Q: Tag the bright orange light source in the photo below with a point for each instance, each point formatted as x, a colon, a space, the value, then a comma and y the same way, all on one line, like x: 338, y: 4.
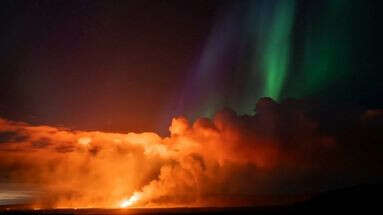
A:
x: 128, y: 202
x: 84, y: 140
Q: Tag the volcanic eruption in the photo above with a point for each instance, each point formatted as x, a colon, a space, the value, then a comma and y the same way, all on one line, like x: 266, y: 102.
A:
x: 226, y: 161
x: 166, y: 104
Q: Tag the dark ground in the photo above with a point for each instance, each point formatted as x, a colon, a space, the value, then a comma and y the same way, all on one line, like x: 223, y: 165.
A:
x: 363, y: 199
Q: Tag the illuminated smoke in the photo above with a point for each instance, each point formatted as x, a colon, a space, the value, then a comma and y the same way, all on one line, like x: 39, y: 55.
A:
x: 228, y: 160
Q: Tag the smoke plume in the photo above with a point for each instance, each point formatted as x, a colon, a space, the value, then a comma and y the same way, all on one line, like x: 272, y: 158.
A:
x: 287, y: 149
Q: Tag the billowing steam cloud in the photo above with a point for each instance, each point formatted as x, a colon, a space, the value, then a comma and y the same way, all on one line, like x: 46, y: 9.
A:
x: 284, y: 149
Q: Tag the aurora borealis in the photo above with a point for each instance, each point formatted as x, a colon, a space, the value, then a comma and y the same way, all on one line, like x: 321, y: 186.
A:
x: 280, y: 49
x: 275, y: 60
x: 232, y: 54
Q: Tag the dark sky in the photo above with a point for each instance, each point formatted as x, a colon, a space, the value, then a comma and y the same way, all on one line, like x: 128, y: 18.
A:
x: 97, y: 64
x: 133, y: 65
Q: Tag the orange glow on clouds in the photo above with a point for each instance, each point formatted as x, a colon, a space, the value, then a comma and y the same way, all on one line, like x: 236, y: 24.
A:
x: 200, y: 163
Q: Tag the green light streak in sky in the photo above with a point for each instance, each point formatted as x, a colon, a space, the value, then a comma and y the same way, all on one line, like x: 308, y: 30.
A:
x: 268, y: 38
x: 276, y: 56
x: 276, y: 59
x: 327, y: 49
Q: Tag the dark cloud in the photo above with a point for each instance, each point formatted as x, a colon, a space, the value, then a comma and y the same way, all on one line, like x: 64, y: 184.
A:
x: 41, y: 143
x: 12, y: 136
x: 65, y: 148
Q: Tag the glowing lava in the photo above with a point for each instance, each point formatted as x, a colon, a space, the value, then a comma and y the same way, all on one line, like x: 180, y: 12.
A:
x: 129, y: 202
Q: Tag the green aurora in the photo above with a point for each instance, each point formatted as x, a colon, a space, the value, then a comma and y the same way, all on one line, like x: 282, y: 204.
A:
x: 279, y: 49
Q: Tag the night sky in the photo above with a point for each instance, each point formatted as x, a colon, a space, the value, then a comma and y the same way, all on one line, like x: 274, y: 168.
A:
x: 227, y: 100
x: 133, y: 65
x: 98, y: 64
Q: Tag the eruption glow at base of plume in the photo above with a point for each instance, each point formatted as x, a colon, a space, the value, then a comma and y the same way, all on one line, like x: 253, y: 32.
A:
x: 129, y: 202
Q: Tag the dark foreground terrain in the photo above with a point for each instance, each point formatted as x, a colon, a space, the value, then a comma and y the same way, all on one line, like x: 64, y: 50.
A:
x: 366, y: 199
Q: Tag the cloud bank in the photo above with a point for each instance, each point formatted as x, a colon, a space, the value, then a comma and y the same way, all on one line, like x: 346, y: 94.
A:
x: 287, y: 149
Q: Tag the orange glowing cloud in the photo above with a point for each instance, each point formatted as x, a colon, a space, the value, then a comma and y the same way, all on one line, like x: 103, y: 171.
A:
x: 200, y: 163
